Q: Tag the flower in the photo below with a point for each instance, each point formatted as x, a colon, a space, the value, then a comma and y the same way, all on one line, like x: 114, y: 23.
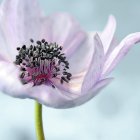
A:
x: 66, y: 67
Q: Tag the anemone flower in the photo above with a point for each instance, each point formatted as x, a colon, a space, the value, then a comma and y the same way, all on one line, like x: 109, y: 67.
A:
x: 52, y: 59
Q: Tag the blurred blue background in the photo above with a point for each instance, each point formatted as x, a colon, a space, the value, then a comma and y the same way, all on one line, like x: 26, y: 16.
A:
x: 113, y: 114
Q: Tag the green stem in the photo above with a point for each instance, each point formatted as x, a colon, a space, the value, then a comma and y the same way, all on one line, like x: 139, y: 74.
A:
x: 38, y: 122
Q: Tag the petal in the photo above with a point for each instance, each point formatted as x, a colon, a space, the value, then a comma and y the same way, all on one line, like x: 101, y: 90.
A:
x: 88, y: 96
x: 10, y: 83
x: 88, y: 63
x: 43, y: 94
x: 48, y: 96
x: 108, y: 34
x: 60, y: 99
x: 81, y: 59
x: 120, y: 51
x: 73, y: 87
x: 20, y: 21
x: 96, y: 65
x: 64, y: 30
x: 5, y: 54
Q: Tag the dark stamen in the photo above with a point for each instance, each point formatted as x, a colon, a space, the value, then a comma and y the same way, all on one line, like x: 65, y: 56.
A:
x: 41, y: 62
x: 43, y: 40
x: 32, y: 40
x: 24, y: 47
x: 18, y: 48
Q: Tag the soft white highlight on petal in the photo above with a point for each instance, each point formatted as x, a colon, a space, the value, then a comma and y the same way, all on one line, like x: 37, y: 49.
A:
x: 108, y: 34
x: 64, y: 30
x: 48, y: 96
x: 10, y: 83
x: 95, y: 67
x: 120, y: 51
x: 74, y: 85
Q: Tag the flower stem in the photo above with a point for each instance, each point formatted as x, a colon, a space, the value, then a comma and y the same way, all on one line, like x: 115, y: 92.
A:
x: 38, y: 121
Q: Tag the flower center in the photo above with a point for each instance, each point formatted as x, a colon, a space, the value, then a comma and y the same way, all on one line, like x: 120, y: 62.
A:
x: 42, y: 61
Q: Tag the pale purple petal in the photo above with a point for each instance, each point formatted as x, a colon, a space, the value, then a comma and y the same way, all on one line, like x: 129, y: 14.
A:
x: 43, y: 94
x: 5, y: 53
x: 86, y: 97
x: 64, y: 30
x: 10, y: 83
x: 120, y: 51
x: 60, y: 99
x: 107, y: 35
x: 95, y: 67
x: 20, y: 20
x: 82, y: 56
x: 73, y: 88
x: 48, y: 96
